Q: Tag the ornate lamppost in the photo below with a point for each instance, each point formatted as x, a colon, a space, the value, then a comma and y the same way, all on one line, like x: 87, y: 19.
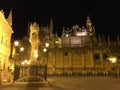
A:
x: 17, y: 49
x: 45, y: 50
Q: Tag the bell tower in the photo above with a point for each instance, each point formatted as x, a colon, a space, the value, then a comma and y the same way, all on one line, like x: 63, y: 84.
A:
x: 51, y: 28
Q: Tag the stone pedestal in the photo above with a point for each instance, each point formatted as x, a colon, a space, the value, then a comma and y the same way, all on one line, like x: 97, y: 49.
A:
x: 34, y: 76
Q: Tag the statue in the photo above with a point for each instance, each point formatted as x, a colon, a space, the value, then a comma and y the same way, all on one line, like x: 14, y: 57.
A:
x: 34, y: 41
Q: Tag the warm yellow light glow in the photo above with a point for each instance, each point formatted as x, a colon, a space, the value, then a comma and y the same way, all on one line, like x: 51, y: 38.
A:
x: 113, y: 59
x: 36, y: 55
x: 44, y: 50
x: 25, y: 62
x: 46, y: 44
x: 22, y: 49
x: 28, y: 62
x: 16, y: 43
x: 66, y: 35
x: 35, y: 51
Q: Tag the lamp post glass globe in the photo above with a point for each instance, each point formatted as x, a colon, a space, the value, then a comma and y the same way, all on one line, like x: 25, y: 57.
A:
x: 16, y: 43
x: 46, y: 44
x: 22, y: 49
x: 44, y: 50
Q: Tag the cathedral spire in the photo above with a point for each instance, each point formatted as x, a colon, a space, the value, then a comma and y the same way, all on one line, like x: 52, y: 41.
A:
x: 9, y: 19
x: 89, y: 24
x: 91, y: 29
x: 51, y: 28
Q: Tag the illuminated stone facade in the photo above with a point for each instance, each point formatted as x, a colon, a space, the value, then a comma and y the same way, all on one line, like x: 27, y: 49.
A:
x: 76, y: 52
x: 5, y: 43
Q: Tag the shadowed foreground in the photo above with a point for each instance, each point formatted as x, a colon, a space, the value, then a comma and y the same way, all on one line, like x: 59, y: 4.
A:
x: 71, y: 83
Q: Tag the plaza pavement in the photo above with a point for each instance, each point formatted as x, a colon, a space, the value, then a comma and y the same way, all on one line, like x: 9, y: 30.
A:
x: 71, y: 83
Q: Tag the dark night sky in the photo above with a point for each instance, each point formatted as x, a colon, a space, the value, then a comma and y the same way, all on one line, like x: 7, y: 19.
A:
x: 64, y: 13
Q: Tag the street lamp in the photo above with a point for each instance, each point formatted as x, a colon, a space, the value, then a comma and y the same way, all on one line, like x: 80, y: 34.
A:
x: 22, y: 49
x: 46, y: 44
x: 18, y: 50
x: 46, y: 59
x: 17, y: 57
x: 16, y: 43
x: 45, y: 50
